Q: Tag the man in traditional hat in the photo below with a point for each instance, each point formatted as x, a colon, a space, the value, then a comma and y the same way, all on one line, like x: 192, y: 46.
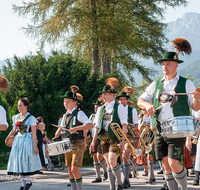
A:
x: 169, y: 150
x: 122, y: 98
x: 76, y: 121
x: 3, y: 119
x: 97, y: 154
x: 110, y: 112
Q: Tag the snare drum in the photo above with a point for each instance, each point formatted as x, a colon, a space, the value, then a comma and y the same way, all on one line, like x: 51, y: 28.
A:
x: 60, y: 147
x: 179, y: 127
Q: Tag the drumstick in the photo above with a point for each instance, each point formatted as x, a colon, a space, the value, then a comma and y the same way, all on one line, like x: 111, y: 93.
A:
x: 183, y: 93
x: 63, y: 128
x: 162, y: 106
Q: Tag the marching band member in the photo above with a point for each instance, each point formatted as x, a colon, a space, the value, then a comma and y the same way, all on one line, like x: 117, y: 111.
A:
x: 146, y: 122
x: 169, y: 150
x: 122, y: 98
x: 76, y: 121
x: 3, y: 119
x: 97, y: 154
x: 110, y: 112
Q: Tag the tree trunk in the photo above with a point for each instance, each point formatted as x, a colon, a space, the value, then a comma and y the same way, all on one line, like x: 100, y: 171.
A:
x: 95, y: 51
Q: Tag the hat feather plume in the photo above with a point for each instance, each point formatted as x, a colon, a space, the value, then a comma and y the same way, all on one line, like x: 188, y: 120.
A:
x: 3, y: 83
x: 79, y: 96
x: 113, y: 82
x: 130, y: 103
x: 74, y: 88
x: 100, y: 98
x: 129, y: 90
x: 182, y: 46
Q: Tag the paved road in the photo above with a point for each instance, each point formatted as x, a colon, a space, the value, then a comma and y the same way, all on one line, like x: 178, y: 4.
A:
x: 61, y: 183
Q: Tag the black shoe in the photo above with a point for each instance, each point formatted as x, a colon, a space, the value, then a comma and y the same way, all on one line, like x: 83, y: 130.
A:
x: 160, y: 172
x: 27, y: 186
x: 196, y: 182
x: 97, y: 180
x: 151, y: 181
x: 119, y: 187
x: 21, y: 188
x: 145, y: 174
x: 69, y: 184
x: 40, y: 172
x: 105, y: 176
x: 192, y: 172
x: 130, y: 175
x: 165, y: 187
x: 126, y: 184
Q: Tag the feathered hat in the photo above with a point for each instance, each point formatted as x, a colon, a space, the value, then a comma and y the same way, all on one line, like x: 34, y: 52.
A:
x: 111, y: 86
x: 127, y: 91
x: 182, y: 47
x: 3, y: 83
x: 71, y: 94
x: 99, y: 101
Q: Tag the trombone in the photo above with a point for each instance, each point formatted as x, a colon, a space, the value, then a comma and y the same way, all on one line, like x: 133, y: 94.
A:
x: 147, y: 136
x: 134, y: 133
x: 120, y: 134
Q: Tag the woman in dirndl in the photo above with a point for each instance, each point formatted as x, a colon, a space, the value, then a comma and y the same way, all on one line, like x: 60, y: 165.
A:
x: 24, y: 158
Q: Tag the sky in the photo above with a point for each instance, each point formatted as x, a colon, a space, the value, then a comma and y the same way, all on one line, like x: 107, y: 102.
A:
x: 14, y: 42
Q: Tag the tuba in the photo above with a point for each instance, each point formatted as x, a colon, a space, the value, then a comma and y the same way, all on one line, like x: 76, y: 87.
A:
x: 120, y: 135
x: 141, y: 145
x: 147, y: 136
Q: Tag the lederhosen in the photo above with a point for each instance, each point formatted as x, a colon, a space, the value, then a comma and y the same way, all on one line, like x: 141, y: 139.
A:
x: 70, y: 121
x: 108, y: 139
x: 171, y: 147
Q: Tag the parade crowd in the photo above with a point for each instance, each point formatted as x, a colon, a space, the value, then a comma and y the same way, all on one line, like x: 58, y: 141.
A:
x: 119, y: 138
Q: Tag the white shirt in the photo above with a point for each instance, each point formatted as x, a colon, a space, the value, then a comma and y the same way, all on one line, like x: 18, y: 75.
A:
x: 147, y: 120
x: 81, y: 117
x: 3, y: 119
x: 168, y: 87
x: 122, y: 114
x: 134, y: 115
x: 94, y: 122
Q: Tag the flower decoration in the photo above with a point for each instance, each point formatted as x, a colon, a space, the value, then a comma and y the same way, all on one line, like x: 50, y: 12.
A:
x: 21, y: 127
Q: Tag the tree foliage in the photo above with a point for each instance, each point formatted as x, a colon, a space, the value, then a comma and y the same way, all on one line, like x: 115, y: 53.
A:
x: 44, y: 80
x: 116, y: 33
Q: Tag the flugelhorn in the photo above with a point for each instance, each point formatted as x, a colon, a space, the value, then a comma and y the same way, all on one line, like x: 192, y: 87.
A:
x: 120, y: 135
x: 147, y: 136
x: 134, y: 133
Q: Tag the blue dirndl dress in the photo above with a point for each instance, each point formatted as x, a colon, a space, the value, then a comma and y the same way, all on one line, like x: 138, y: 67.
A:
x: 22, y: 158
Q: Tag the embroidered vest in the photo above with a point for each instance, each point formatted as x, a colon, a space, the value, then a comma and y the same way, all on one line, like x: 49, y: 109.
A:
x: 73, y: 122
x: 115, y: 119
x: 180, y: 108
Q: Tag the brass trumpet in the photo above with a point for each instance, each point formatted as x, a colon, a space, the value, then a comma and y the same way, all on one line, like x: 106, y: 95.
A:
x: 120, y: 134
x: 134, y: 133
x: 147, y: 136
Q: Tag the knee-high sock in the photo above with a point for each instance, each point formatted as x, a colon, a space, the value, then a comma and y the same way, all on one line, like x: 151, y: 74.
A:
x: 104, y: 166
x: 181, y: 178
x: 73, y: 184
x: 97, y: 169
x: 28, y: 180
x: 126, y: 171
x: 117, y: 173
x: 161, y: 166
x: 134, y: 165
x: 111, y: 179
x: 151, y: 172
x: 23, y: 179
x: 196, y: 174
x: 171, y: 182
x: 79, y: 183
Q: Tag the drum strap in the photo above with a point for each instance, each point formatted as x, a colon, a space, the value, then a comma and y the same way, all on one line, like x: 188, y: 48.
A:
x: 68, y: 117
